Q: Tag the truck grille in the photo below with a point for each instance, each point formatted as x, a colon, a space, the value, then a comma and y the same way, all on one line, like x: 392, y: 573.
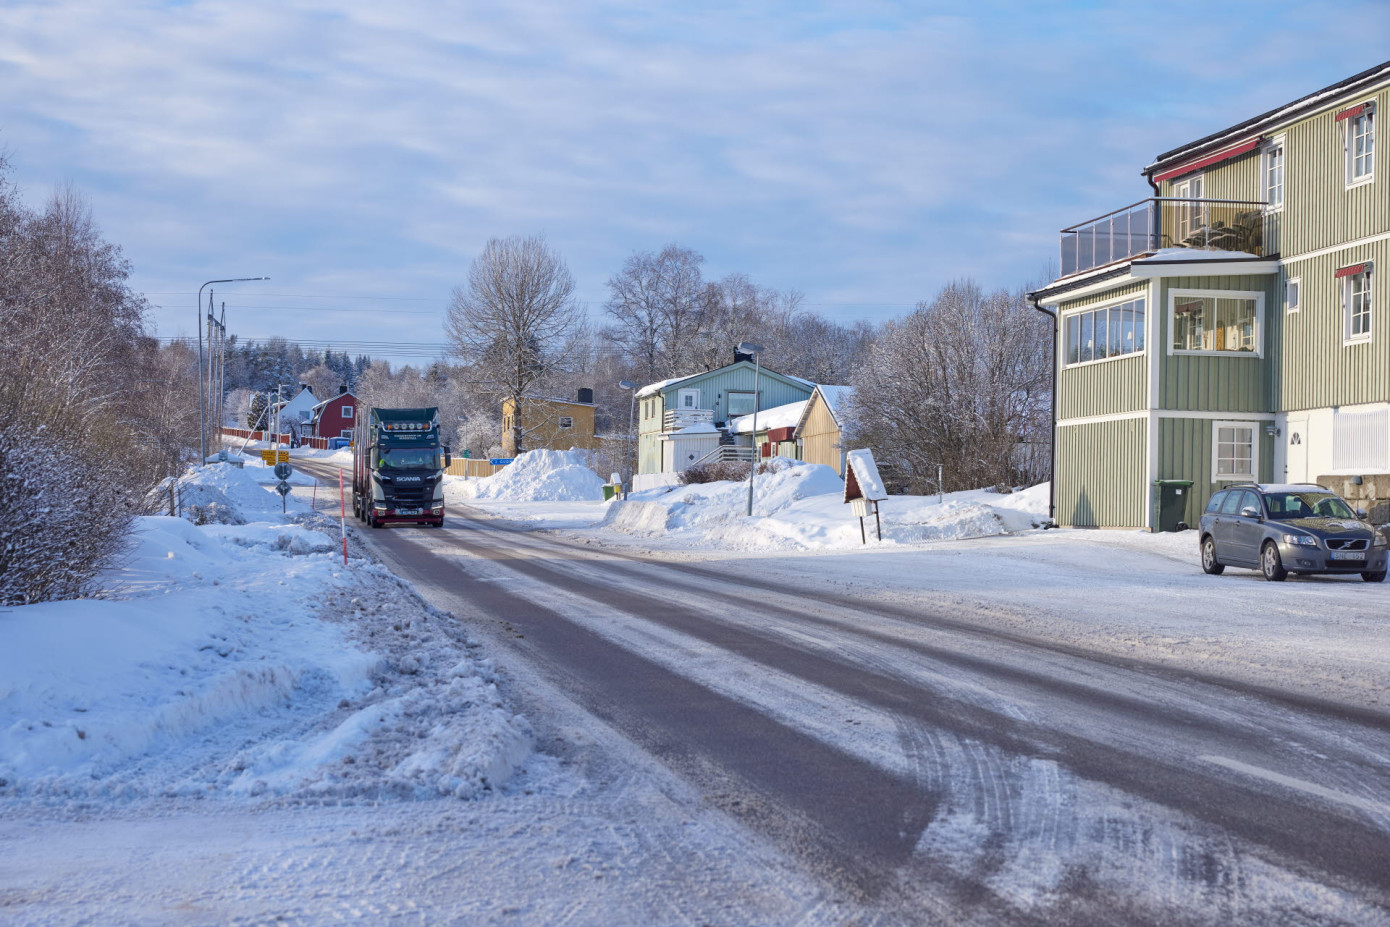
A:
x: 1347, y: 543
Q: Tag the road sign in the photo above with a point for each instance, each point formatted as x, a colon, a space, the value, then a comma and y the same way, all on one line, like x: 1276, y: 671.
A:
x: 500, y: 461
x: 467, y: 454
x: 272, y: 457
x: 283, y: 471
x: 282, y: 488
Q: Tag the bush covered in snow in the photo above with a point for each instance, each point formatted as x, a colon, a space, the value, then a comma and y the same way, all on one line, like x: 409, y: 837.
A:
x: 217, y: 494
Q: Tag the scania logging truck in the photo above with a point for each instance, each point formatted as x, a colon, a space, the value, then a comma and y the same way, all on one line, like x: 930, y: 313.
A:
x: 398, y: 467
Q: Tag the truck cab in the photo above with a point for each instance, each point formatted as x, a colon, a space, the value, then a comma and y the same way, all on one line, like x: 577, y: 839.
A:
x: 398, y: 467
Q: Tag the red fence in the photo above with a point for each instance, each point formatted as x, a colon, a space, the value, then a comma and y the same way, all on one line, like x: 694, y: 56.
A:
x: 320, y: 444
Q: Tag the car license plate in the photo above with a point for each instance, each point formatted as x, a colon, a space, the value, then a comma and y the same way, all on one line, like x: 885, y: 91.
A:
x: 1348, y: 554
x: 407, y: 511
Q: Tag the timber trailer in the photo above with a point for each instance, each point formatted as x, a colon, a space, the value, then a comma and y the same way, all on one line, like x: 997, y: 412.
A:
x: 398, y: 467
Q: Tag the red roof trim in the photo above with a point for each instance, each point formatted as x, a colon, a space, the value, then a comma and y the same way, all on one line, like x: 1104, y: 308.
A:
x: 1356, y: 110
x: 1224, y: 155
x: 1352, y: 271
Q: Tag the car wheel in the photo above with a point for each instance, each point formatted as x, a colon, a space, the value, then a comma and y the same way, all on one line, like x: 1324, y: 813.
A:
x: 1209, y: 562
x: 1271, y: 564
x: 1373, y: 576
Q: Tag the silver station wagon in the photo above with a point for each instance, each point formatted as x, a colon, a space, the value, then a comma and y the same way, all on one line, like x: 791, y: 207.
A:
x: 1289, y: 528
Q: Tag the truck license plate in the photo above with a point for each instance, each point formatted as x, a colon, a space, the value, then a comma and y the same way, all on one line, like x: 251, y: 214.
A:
x: 407, y: 511
x: 1348, y: 554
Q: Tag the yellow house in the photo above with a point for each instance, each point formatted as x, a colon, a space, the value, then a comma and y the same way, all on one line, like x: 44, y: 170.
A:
x: 818, y: 434
x: 550, y: 424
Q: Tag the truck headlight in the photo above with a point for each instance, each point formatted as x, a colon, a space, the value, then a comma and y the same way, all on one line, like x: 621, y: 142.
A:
x: 1301, y: 540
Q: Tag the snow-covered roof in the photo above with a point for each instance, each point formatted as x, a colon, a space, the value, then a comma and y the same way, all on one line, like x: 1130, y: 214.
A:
x: 786, y: 416
x: 1193, y: 255
x: 866, y: 474
x: 651, y: 389
x: 1357, y: 83
x: 835, y: 398
x: 349, y: 393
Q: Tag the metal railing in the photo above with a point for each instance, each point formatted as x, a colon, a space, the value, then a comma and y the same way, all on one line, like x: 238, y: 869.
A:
x: 680, y: 418
x: 1164, y: 222
x: 726, y: 452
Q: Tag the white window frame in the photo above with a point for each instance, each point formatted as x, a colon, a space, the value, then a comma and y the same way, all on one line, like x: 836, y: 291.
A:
x: 1253, y: 475
x: 1293, y: 285
x: 1259, y: 334
x: 346, y: 433
x: 1275, y: 148
x: 347, y: 411
x: 1349, y: 131
x: 1063, y: 341
x: 1189, y: 217
x: 1347, y: 283
x: 691, y: 393
x: 566, y: 421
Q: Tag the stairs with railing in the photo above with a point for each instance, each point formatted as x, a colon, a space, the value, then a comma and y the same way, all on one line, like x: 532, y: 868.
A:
x: 727, y: 452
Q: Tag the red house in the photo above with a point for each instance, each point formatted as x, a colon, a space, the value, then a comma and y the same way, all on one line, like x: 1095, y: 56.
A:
x: 334, y: 418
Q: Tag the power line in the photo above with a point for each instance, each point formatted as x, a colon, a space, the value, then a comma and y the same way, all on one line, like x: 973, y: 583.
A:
x: 422, y: 299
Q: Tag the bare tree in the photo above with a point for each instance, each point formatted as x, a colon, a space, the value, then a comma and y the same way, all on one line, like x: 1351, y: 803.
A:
x: 657, y: 303
x: 961, y: 382
x: 511, y: 322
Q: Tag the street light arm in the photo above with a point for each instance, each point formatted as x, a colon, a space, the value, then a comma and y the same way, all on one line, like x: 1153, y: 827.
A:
x: 202, y: 396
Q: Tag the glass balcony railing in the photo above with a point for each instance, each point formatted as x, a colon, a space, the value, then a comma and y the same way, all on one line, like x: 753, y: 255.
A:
x: 1164, y: 222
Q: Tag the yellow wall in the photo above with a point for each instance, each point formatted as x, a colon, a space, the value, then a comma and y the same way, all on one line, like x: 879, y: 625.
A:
x: 540, y: 418
x: 820, y: 436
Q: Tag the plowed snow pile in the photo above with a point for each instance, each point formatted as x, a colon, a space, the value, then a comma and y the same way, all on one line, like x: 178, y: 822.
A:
x: 800, y: 506
x: 535, y: 476
x: 220, y: 494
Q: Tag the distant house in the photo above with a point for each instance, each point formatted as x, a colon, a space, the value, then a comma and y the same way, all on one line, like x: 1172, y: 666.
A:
x: 334, y: 418
x: 550, y: 424
x: 686, y: 420
x: 806, y: 430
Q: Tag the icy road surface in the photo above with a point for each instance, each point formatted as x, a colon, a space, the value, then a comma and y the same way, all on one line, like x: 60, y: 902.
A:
x: 999, y: 731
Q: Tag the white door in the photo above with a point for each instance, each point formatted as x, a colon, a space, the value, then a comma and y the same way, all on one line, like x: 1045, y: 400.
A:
x: 1188, y: 216
x: 688, y: 399
x: 1296, y: 450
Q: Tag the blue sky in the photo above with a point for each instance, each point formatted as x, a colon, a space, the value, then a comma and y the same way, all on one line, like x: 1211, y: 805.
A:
x: 360, y: 153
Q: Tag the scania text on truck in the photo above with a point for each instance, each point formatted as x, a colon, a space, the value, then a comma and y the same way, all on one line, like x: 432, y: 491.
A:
x: 398, y: 467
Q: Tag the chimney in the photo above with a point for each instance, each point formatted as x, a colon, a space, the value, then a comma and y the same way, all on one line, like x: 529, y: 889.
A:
x: 586, y: 395
x: 738, y: 356
x: 342, y: 389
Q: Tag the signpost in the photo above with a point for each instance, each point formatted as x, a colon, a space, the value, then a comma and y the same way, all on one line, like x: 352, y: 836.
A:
x: 274, y: 457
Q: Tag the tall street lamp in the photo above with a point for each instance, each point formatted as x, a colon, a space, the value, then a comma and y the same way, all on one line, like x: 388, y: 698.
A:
x: 631, y: 409
x: 747, y: 347
x: 202, y: 399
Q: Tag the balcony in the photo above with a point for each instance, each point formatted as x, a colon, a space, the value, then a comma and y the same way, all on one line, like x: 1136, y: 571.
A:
x: 676, y: 419
x: 1164, y: 222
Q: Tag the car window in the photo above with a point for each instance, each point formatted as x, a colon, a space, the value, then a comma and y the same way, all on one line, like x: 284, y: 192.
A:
x: 1232, y: 504
x: 1306, y: 504
x: 1248, y: 500
x: 1215, y: 504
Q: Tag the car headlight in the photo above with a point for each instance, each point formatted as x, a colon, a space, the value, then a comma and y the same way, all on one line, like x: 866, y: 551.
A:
x: 1301, y: 540
x: 1380, y: 541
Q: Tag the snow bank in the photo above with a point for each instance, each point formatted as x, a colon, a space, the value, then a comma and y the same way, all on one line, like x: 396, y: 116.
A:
x: 220, y: 494
x: 243, y: 660
x: 800, y: 506
x: 535, y: 476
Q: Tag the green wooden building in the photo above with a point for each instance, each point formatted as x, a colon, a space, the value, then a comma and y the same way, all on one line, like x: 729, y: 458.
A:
x: 683, y: 421
x: 1233, y: 326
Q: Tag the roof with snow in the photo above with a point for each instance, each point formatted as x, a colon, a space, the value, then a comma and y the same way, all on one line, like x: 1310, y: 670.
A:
x: 349, y: 393
x: 785, y: 416
x: 835, y: 399
x: 1297, y: 109
x: 651, y: 389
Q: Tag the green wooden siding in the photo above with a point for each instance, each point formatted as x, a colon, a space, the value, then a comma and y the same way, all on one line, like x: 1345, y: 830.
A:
x: 1184, y: 453
x: 1100, y: 474
x: 1209, y: 383
x: 1314, y: 368
x: 1102, y: 387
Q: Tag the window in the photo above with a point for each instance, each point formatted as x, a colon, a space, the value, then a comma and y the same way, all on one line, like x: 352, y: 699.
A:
x: 1292, y: 294
x: 1360, y: 134
x: 740, y: 403
x: 1233, y: 451
x: 1216, y: 322
x: 1273, y: 175
x: 1356, y: 302
x: 347, y: 411
x: 346, y: 433
x: 1189, y: 214
x: 1214, y: 504
x: 1111, y: 331
x: 566, y: 421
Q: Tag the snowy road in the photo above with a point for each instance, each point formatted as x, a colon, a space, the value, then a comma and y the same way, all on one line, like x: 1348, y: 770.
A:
x: 922, y: 760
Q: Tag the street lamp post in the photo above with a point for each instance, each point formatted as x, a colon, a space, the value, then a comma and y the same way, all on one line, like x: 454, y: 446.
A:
x: 631, y: 410
x: 746, y: 347
x: 202, y: 398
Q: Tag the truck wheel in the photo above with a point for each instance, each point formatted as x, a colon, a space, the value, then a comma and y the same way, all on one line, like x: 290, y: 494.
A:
x: 374, y: 521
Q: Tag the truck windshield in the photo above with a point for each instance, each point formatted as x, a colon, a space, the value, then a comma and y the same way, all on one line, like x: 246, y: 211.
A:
x: 409, y: 458
x: 1285, y: 505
